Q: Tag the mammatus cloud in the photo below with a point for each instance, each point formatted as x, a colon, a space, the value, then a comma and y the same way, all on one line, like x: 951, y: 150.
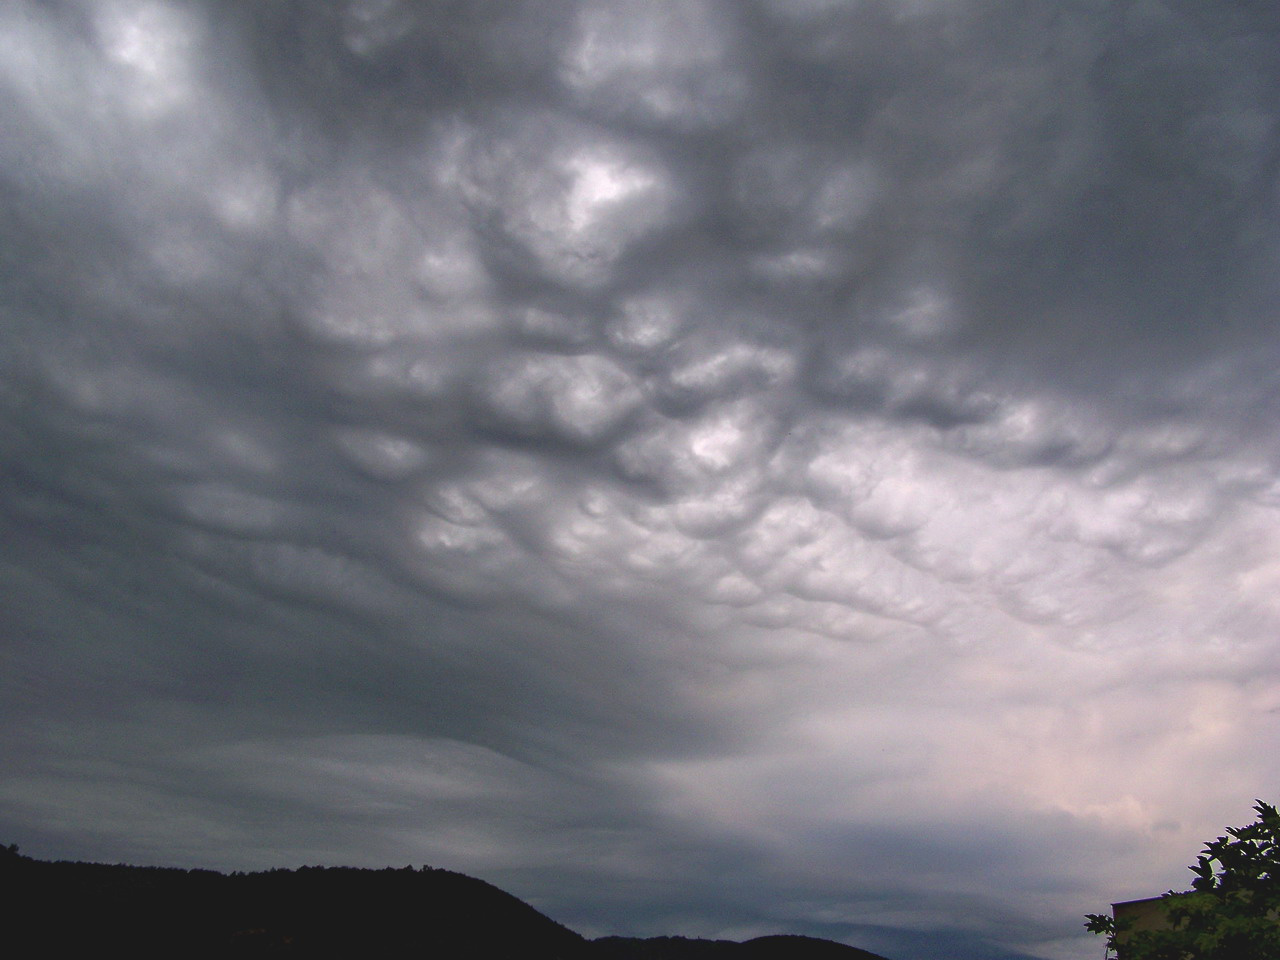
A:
x: 708, y: 467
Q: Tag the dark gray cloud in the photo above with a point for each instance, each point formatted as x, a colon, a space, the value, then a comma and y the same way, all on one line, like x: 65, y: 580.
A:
x: 712, y: 468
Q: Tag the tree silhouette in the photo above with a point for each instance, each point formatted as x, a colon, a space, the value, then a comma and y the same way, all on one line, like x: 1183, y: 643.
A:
x: 1232, y: 911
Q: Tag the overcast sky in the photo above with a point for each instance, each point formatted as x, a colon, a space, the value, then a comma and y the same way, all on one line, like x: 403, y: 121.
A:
x: 709, y: 467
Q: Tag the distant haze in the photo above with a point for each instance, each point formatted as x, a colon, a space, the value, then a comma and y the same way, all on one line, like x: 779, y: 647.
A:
x: 708, y: 467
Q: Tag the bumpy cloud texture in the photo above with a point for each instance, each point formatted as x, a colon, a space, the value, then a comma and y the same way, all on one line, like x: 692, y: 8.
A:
x: 708, y: 467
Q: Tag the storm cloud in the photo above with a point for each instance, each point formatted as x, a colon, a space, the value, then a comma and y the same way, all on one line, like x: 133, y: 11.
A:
x: 710, y: 468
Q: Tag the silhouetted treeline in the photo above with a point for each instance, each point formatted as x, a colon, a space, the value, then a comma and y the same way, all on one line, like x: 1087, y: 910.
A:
x: 76, y: 909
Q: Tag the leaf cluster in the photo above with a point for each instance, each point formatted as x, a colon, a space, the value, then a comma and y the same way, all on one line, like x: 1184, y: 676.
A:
x: 1232, y: 911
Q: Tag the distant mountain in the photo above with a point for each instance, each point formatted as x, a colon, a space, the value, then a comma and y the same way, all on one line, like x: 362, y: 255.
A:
x: 761, y: 948
x: 75, y: 909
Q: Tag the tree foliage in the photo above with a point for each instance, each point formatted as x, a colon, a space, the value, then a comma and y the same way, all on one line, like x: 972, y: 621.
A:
x: 1232, y: 911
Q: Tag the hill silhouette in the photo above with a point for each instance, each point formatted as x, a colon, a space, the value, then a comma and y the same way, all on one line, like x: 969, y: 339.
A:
x: 73, y: 908
x: 777, y: 947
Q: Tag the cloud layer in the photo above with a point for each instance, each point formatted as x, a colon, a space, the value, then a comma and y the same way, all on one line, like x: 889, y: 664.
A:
x: 707, y: 467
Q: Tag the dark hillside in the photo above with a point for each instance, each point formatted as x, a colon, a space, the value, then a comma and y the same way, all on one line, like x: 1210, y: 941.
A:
x: 76, y: 909
x: 761, y: 948
x: 309, y: 912
x: 661, y: 948
x: 802, y: 948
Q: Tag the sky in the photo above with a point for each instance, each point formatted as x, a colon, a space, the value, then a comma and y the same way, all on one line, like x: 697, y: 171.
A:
x: 708, y: 467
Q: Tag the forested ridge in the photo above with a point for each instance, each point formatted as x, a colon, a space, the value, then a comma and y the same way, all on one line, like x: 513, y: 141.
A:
x: 68, y: 907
